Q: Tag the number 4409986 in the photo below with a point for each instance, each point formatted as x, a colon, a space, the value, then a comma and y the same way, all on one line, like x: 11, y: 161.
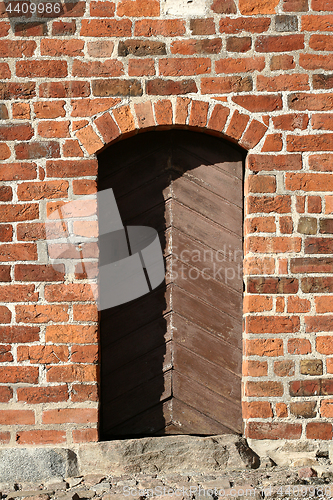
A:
x: 21, y: 8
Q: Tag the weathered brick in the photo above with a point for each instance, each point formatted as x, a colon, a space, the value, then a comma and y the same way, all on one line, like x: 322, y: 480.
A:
x: 306, y: 409
x: 272, y: 285
x: 311, y: 367
x: 115, y: 86
x: 273, y: 430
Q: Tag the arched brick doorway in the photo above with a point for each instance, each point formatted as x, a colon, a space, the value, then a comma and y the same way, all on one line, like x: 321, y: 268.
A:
x: 171, y: 360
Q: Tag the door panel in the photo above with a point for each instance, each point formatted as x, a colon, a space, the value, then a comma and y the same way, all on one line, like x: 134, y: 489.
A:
x: 171, y: 360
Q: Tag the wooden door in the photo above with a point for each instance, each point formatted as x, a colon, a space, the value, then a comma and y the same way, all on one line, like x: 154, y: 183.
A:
x: 171, y: 360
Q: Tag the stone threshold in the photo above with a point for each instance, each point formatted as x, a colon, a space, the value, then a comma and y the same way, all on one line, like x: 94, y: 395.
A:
x: 180, y: 454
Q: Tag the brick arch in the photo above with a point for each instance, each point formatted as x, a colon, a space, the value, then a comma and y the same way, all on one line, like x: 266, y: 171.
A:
x: 214, y: 118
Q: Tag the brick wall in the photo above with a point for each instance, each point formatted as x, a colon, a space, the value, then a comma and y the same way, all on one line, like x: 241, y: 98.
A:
x: 256, y: 72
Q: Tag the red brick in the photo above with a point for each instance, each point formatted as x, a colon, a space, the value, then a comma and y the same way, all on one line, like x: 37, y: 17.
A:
x: 69, y: 415
x: 224, y: 7
x: 76, y: 334
x: 184, y: 66
x: 60, y: 90
x: 6, y: 232
x: 107, y: 127
x: 17, y: 417
x: 272, y: 285
x: 314, y: 204
x: 309, y: 182
x: 55, y: 48
x: 271, y: 324
x: 299, y: 346
x: 324, y: 304
x: 257, y: 409
x: 295, y: 5
x: 218, y: 117
x: 106, y: 27
x: 71, y: 168
x: 226, y: 84
x: 41, y: 69
x: 67, y: 293
x: 202, y: 26
x: 281, y: 410
x: 6, y: 394
x: 258, y: 104
x: 141, y: 67
x: 237, y: 125
x: 324, y: 344
x: 282, y: 82
x: 264, y: 389
x: 239, y: 44
x: 322, y: 5
x: 322, y: 121
x: 267, y: 204
x: 264, y: 347
x: 285, y: 368
x: 305, y: 409
x: 86, y: 392
x: 319, y: 430
x: 198, y: 115
x: 85, y: 435
x: 17, y: 48
x: 257, y: 162
x: 84, y: 354
x: 260, y: 225
x: 162, y: 27
x: 4, y: 151
x: 273, y: 142
x: 71, y: 148
x: 108, y: 68
x: 195, y: 46
x: 273, y: 430
x: 72, y: 373
x: 270, y: 244
x: 34, y: 150
x: 12, y: 90
x: 36, y: 437
x: 41, y: 314
x: 242, y: 65
x: 53, y: 128
x: 254, y: 133
x: 258, y: 265
x: 283, y: 61
x: 63, y: 28
x: 102, y: 9
x: 317, y: 23
x: 138, y: 8
x: 144, y: 114
x: 49, y: 109
x: 35, y: 272
x: 43, y: 354
x: 40, y: 190
x: 254, y: 368
x: 311, y: 102
x: 257, y: 303
x: 261, y: 184
x: 19, y: 374
x: 163, y: 112
x: 170, y: 87
x: 5, y: 353
x: 239, y: 24
x: 298, y: 305
x: 16, y: 293
x: 279, y: 43
x: 19, y: 132
x: 290, y: 122
x: 18, y: 334
x: 100, y: 48
x: 36, y: 395
x: 315, y: 61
